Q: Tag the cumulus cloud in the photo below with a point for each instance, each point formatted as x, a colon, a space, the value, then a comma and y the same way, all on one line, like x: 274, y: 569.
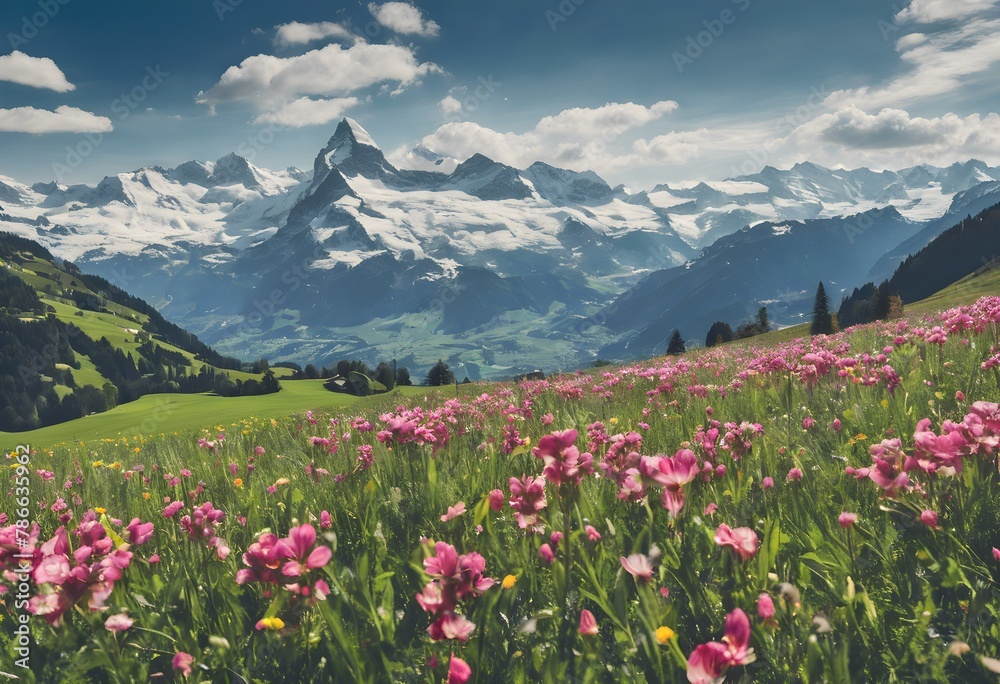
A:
x: 308, y: 112
x: 672, y: 148
x: 403, y: 18
x: 934, y: 64
x: 37, y: 72
x: 450, y: 105
x: 284, y: 84
x: 610, y: 118
x: 930, y: 11
x: 579, y: 138
x: 855, y: 128
x: 62, y: 120
x: 297, y: 33
x: 892, y: 137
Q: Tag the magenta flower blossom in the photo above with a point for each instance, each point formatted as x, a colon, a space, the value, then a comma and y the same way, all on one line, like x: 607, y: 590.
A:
x: 996, y: 554
x: 298, y: 547
x: 454, y: 511
x: 139, y: 532
x: 886, y: 471
x: 588, y: 623
x: 459, y: 671
x: 202, y: 522
x: 263, y: 561
x: 118, y: 623
x: 451, y: 626
x: 84, y: 576
x: 767, y: 483
x: 671, y: 472
x: 794, y: 475
x: 808, y: 422
x: 546, y: 554
x: 527, y: 497
x: 453, y: 578
x: 563, y: 461
x: 846, y: 519
x: 737, y: 638
x: 182, y: 663
x: 929, y: 518
x: 172, y: 508
x: 765, y: 607
x: 639, y: 566
x: 497, y: 499
x: 709, y: 662
x: 592, y: 533
x: 742, y: 540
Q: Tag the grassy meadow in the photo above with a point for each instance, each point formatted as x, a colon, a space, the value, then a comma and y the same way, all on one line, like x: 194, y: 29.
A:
x: 810, y: 510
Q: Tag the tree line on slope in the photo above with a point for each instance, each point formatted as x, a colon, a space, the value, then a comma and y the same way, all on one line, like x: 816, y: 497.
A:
x: 971, y: 244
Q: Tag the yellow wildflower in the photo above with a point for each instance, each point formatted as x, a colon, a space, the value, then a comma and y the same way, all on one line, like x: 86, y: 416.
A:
x: 665, y: 634
x: 99, y: 510
x: 97, y: 464
x: 145, y: 495
x: 613, y: 421
x: 238, y: 482
x: 275, y: 623
x: 509, y: 581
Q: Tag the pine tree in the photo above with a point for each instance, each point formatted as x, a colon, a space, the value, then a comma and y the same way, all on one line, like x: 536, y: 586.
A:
x: 383, y: 374
x: 822, y: 323
x: 440, y: 375
x: 403, y: 376
x: 676, y: 345
x: 762, y: 320
x: 720, y: 333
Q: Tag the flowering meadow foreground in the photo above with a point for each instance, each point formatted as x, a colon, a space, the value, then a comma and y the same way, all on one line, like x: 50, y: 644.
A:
x: 825, y: 510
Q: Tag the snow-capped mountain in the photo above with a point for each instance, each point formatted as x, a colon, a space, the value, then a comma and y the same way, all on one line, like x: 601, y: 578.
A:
x: 490, y: 266
x: 772, y: 264
x: 217, y: 205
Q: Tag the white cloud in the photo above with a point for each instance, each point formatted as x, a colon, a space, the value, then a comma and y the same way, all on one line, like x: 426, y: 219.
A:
x: 37, y: 72
x: 273, y: 83
x: 297, y: 33
x: 930, y: 11
x: 450, y: 105
x: 403, y: 18
x: 672, y: 148
x: 853, y: 128
x: 610, y: 119
x: 62, y: 120
x: 893, y: 138
x: 579, y: 138
x: 307, y: 112
x: 934, y: 65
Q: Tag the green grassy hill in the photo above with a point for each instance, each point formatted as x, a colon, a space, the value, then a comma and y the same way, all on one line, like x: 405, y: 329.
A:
x: 72, y: 344
x: 179, y: 414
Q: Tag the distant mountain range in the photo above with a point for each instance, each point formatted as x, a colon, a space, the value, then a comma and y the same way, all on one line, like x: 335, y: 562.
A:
x: 494, y: 269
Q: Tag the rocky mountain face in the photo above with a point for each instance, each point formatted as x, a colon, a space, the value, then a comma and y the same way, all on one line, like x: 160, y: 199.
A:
x: 490, y: 267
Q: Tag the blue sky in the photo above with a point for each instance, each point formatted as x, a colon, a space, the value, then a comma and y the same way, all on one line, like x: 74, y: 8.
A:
x: 640, y: 91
